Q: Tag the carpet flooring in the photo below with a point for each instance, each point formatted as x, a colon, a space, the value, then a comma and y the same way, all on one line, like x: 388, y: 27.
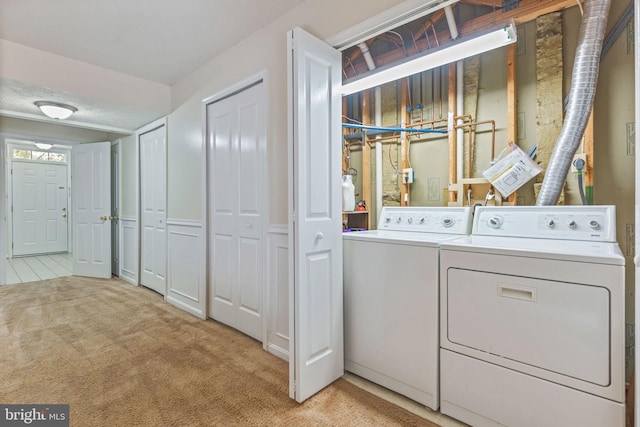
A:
x: 121, y: 356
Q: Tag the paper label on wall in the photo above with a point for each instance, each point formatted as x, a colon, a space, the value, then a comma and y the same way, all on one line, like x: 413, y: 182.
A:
x: 512, y: 172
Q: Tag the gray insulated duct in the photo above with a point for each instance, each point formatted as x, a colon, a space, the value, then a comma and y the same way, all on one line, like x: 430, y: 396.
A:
x: 581, y: 94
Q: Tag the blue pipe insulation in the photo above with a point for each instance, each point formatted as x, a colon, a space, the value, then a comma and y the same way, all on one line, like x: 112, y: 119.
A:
x: 385, y: 129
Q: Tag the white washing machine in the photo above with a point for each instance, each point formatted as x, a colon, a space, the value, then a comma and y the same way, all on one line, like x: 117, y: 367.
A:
x: 532, y: 319
x: 391, y: 298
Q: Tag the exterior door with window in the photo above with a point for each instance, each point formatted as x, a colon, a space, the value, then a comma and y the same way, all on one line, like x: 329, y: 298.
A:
x: 39, y: 191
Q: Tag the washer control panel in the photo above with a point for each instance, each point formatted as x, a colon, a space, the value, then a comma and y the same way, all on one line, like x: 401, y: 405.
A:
x: 591, y: 223
x: 450, y: 220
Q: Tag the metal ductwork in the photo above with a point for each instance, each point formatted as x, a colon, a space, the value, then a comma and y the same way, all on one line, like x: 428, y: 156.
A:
x: 581, y: 95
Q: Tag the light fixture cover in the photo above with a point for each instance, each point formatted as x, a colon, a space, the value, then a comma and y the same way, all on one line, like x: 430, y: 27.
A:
x: 43, y: 146
x: 433, y: 58
x: 56, y: 110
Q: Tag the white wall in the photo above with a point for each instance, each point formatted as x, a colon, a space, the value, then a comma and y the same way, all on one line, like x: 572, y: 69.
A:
x: 266, y: 49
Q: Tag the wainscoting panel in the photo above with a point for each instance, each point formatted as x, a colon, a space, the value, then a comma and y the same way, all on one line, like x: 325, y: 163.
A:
x: 186, y: 285
x: 277, y: 342
x: 129, y: 249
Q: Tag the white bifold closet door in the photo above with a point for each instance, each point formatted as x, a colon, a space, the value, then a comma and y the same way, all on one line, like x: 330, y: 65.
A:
x: 236, y: 148
x: 153, y: 198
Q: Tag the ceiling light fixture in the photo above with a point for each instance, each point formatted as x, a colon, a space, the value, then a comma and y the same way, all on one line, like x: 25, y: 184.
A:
x: 43, y: 146
x: 56, y: 110
x: 433, y: 58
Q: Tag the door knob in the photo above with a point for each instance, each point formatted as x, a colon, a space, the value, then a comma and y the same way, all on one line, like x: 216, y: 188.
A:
x: 319, y: 235
x: 64, y: 215
x: 104, y: 218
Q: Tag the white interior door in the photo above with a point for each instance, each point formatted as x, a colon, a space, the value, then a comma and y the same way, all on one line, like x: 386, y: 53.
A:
x: 236, y: 148
x: 153, y: 196
x: 315, y: 230
x: 91, y: 181
x: 39, y: 208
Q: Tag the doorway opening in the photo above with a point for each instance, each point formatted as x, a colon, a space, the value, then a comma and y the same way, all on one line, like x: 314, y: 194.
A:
x: 38, y: 243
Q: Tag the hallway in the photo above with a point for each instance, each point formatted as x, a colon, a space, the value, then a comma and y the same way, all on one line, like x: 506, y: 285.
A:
x: 39, y: 267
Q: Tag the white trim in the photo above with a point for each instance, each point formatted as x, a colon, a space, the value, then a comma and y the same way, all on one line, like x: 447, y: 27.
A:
x: 275, y: 342
x: 117, y: 143
x: 41, y: 118
x: 190, y: 297
x: 636, y: 379
x: 129, y: 223
x: 260, y: 77
x: 185, y: 222
x: 278, y: 229
x: 407, y: 11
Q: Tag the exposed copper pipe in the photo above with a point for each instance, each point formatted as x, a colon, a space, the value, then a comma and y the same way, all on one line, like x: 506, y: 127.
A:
x: 471, y: 126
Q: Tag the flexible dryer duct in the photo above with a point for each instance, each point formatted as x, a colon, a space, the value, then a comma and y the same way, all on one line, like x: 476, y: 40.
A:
x: 581, y: 94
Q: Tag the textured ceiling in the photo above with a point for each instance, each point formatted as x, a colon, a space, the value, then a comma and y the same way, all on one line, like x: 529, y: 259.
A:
x: 157, y: 40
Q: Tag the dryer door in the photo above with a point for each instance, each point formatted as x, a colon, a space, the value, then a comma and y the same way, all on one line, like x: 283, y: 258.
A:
x: 557, y: 326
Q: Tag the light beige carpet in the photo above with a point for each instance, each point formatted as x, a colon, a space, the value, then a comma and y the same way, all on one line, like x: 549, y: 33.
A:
x: 120, y: 356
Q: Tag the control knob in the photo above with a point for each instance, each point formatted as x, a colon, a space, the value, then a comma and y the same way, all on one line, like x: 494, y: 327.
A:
x: 410, y: 220
x: 447, y: 221
x: 572, y: 223
x: 594, y: 224
x: 495, y: 222
x: 551, y: 223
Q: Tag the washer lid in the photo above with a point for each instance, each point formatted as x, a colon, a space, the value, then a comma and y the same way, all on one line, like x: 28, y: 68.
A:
x: 569, y: 250
x: 399, y: 237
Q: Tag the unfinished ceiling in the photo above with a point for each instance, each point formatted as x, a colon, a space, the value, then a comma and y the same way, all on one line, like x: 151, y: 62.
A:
x: 432, y: 31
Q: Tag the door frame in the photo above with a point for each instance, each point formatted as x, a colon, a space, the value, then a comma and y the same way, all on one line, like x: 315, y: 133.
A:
x: 139, y: 132
x: 117, y: 188
x: 260, y: 77
x: 10, y: 145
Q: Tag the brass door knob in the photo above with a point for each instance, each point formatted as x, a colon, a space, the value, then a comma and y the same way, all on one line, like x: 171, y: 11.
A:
x: 64, y: 215
x: 104, y: 218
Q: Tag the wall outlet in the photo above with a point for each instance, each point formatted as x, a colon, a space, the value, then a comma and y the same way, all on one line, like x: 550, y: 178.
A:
x: 582, y: 156
x: 407, y: 176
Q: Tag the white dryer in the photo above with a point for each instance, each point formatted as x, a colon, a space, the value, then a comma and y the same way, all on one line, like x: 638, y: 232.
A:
x: 532, y: 319
x: 391, y: 298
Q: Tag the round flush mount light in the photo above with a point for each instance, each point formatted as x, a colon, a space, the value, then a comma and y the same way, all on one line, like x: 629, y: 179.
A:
x: 56, y: 110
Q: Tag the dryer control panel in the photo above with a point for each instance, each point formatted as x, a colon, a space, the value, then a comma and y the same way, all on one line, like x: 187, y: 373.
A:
x: 588, y: 223
x: 448, y: 220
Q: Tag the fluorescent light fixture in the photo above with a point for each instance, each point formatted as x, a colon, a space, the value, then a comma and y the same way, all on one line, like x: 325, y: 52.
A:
x: 433, y: 58
x: 43, y: 146
x: 56, y: 110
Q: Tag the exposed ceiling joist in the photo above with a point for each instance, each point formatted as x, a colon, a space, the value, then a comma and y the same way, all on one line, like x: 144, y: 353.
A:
x: 527, y: 11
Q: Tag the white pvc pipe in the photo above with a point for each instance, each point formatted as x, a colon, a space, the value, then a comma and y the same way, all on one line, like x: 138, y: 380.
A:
x: 367, y: 56
x: 451, y: 20
x: 459, y: 112
x: 378, y: 121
